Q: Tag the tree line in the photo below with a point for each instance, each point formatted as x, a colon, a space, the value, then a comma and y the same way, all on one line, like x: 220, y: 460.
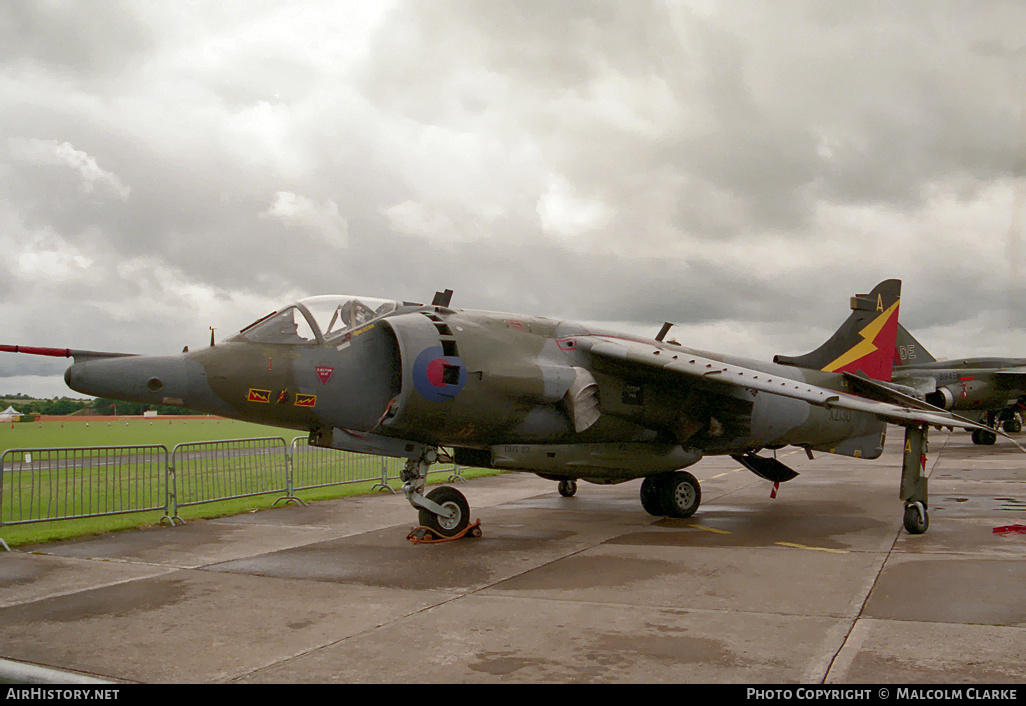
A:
x: 62, y: 406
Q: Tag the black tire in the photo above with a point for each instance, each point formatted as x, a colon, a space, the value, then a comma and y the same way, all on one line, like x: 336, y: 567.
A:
x: 650, y: 496
x: 917, y: 519
x: 984, y: 438
x: 1013, y: 426
x: 680, y: 494
x: 567, y: 488
x: 453, y: 501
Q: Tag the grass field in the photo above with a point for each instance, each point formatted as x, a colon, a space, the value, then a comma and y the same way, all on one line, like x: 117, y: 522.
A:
x: 131, y: 431
x: 83, y: 491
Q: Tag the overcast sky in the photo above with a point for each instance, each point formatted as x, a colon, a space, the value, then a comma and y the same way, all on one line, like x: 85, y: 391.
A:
x: 738, y: 168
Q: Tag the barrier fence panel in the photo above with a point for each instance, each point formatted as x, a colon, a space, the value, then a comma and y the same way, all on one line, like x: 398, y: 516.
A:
x: 203, y: 472
x: 42, y: 484
x: 316, y: 467
x: 49, y: 484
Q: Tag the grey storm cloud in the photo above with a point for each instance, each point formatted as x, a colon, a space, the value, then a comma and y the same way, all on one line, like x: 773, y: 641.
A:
x: 738, y: 168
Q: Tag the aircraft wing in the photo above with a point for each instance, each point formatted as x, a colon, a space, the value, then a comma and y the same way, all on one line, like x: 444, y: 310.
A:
x: 1012, y: 377
x: 712, y: 374
x: 900, y: 395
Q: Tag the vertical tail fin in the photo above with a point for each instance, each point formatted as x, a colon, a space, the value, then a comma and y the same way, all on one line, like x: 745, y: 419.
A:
x: 865, y: 342
x: 909, y: 351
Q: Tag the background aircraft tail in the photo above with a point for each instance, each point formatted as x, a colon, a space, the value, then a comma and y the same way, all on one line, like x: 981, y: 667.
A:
x: 909, y: 351
x: 865, y: 342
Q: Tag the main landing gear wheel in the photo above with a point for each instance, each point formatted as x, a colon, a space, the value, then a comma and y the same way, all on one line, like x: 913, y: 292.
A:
x: 984, y: 438
x: 457, y: 510
x: 567, y: 488
x: 917, y: 519
x: 675, y: 494
x: 1012, y: 426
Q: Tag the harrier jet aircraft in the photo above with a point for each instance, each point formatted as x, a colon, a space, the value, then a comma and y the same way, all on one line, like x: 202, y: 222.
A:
x: 994, y: 386
x: 566, y: 401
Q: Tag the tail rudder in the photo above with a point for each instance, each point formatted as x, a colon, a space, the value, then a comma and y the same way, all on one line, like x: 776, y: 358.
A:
x: 865, y: 342
x: 908, y: 351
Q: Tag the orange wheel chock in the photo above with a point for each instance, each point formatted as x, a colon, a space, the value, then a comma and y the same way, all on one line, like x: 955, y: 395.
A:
x: 426, y: 535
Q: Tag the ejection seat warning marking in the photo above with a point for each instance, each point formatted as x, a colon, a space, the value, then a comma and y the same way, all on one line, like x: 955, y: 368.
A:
x: 263, y: 396
x: 324, y: 372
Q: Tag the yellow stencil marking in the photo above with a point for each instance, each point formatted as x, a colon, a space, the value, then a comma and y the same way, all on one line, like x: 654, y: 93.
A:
x: 816, y: 549
x: 709, y: 529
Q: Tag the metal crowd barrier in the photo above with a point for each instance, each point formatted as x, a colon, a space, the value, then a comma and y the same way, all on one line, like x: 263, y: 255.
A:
x: 65, y: 483
x: 208, y: 471
x: 315, y: 467
x: 44, y: 484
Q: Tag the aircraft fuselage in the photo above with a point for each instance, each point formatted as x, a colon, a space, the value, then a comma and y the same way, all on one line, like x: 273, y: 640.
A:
x: 496, y: 386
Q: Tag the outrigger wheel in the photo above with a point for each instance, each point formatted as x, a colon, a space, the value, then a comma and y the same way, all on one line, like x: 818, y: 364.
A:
x: 917, y: 520
x: 984, y: 438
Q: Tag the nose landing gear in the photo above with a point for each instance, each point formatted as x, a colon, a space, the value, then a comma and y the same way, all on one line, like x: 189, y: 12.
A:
x: 444, y: 512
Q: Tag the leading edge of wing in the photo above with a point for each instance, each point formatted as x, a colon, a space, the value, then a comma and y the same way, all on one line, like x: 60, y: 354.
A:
x: 709, y: 372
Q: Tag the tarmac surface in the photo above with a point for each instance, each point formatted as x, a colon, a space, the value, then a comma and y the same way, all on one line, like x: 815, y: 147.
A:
x: 818, y: 585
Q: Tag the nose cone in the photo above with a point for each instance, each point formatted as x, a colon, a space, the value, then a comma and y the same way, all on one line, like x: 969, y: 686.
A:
x: 146, y: 379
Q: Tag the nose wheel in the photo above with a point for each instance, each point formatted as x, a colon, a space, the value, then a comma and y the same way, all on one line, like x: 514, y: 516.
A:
x: 444, y: 512
x: 455, y: 515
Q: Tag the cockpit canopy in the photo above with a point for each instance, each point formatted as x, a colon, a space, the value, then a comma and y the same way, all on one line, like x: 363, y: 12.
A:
x: 317, y: 319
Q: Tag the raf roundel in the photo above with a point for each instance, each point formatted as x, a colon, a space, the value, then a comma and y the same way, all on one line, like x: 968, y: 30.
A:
x: 438, y: 377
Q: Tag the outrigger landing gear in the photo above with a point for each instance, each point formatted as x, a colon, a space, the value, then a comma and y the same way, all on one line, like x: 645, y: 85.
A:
x: 444, y: 513
x: 984, y: 437
x: 1008, y: 418
x: 914, y: 481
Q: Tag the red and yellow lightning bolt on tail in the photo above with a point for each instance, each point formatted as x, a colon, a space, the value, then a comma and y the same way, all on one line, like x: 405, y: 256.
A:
x: 874, y: 354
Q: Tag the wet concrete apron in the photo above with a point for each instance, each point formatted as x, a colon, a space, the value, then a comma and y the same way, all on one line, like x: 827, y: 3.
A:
x: 820, y: 584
